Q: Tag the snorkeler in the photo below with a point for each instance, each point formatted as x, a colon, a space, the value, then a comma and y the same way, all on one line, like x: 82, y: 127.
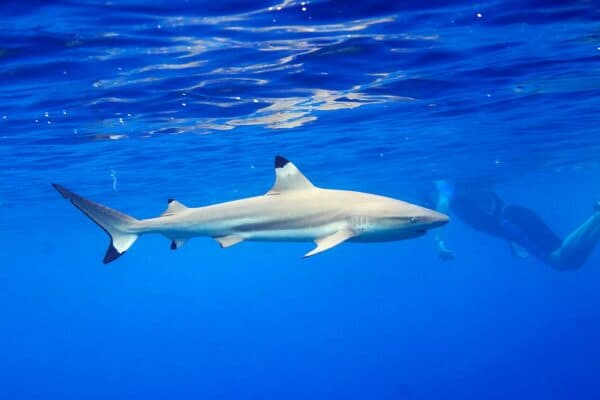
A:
x: 524, y: 230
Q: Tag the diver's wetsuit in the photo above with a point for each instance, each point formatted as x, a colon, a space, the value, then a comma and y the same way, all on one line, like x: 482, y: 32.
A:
x: 486, y: 212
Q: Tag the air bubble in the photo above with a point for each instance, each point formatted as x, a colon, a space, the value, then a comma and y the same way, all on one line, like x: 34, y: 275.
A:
x: 113, y: 174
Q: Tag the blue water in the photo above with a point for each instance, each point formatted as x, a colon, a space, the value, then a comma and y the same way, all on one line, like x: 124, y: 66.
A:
x: 133, y: 102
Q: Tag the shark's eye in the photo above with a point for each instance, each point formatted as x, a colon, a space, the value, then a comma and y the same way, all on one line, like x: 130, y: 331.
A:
x: 413, y: 220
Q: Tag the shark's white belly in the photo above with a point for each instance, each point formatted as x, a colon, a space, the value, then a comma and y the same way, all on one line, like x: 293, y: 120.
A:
x: 290, y: 234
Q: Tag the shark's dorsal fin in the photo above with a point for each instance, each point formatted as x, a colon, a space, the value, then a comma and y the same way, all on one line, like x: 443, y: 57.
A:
x: 327, y: 242
x: 288, y: 177
x: 173, y: 208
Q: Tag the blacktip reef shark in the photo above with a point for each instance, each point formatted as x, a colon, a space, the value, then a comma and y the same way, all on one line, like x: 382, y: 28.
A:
x: 293, y: 210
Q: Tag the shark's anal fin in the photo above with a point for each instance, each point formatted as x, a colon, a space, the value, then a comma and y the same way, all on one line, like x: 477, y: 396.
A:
x: 229, y: 240
x: 288, y: 177
x: 177, y: 243
x: 173, y: 208
x: 327, y: 242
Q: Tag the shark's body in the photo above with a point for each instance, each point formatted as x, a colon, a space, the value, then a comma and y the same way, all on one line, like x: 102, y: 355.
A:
x: 293, y: 210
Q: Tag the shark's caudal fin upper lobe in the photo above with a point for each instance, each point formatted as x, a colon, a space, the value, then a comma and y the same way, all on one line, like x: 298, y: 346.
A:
x: 120, y: 227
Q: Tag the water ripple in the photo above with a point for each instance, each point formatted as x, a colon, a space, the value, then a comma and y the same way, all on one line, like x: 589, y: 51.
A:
x: 432, y: 86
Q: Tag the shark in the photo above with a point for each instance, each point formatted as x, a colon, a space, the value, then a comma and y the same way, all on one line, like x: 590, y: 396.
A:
x: 292, y: 210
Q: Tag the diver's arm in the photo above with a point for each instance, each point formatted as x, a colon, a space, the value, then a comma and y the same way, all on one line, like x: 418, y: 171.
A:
x: 444, y: 195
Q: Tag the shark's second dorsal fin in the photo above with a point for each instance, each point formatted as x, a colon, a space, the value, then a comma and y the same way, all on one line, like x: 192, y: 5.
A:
x: 173, y: 208
x: 288, y: 177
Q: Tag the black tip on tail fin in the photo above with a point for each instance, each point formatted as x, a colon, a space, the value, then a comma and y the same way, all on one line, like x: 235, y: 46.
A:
x: 111, y: 254
x: 63, y: 191
x: 118, y: 226
x: 280, y: 162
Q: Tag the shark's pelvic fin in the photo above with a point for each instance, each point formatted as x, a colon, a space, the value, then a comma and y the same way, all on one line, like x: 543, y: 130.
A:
x: 327, y: 242
x: 173, y: 207
x: 120, y: 227
x: 288, y: 177
x: 229, y: 240
x: 177, y: 243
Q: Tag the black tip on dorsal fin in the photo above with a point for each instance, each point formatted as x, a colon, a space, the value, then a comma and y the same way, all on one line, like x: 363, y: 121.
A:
x: 169, y: 201
x: 280, y: 162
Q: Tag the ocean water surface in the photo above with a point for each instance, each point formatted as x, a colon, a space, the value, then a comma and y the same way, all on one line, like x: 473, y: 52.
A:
x: 133, y: 102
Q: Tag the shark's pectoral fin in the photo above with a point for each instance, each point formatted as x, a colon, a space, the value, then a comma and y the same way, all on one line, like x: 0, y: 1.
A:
x: 327, y: 242
x: 229, y: 240
x: 177, y: 243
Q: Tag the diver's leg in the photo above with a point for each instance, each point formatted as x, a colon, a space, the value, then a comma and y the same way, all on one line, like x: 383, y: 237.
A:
x: 578, y: 245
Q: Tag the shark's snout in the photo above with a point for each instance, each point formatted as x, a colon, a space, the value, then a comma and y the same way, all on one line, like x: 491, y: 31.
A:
x: 438, y: 219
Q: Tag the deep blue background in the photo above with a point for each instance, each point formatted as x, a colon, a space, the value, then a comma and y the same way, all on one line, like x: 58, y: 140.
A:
x: 133, y: 102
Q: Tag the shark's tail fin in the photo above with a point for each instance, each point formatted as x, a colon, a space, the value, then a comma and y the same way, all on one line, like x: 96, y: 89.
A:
x: 120, y: 227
